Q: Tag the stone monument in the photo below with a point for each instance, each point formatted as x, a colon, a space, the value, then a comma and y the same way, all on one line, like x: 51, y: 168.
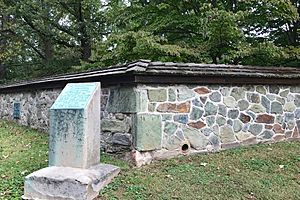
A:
x: 74, y: 170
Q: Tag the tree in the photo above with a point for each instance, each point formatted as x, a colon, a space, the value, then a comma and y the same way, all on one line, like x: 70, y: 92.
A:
x: 199, y: 32
x: 274, y: 20
x: 52, y: 32
x: 55, y: 35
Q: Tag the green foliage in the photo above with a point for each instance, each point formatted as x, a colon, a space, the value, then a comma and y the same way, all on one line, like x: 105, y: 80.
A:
x: 48, y: 33
x: 268, y: 54
x: 131, y: 46
x: 224, y: 36
x: 104, y: 33
x: 230, y: 32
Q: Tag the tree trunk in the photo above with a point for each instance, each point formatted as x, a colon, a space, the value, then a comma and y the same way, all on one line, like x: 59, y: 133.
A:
x: 234, y: 5
x: 215, y: 59
x: 85, y: 40
x: 86, y: 50
x: 214, y: 3
x: 47, y: 44
x: 48, y: 49
x: 3, y: 43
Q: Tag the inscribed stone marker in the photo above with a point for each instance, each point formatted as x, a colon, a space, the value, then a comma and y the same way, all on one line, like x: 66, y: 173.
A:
x: 74, y: 170
x: 74, y: 139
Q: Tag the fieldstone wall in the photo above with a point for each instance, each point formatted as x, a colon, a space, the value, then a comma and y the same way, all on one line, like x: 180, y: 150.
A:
x: 190, y: 118
x: 116, y: 127
x: 161, y: 121
x: 35, y: 107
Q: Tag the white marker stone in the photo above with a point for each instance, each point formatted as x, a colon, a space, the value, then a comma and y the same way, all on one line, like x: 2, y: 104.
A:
x: 74, y: 139
x: 74, y: 170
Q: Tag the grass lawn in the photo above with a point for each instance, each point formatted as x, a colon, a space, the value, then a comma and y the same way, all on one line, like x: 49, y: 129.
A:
x: 258, y: 172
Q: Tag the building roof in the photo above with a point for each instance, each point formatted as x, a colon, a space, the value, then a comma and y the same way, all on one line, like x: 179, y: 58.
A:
x: 146, y: 71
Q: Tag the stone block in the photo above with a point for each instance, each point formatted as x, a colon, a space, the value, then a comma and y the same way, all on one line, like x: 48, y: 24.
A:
x: 206, y: 131
x: 197, y: 102
x: 242, y: 136
x: 279, y: 137
x: 243, y: 104
x: 127, y: 100
x: 215, y: 141
x: 172, y: 95
x: 233, y: 114
x: 238, y: 93
x: 295, y: 89
x: 229, y: 102
x: 62, y: 183
x: 151, y: 107
x: 74, y: 139
x: 220, y: 120
x: 210, y: 120
x: 174, y: 108
x: 215, y: 97
x: 198, y: 124
x: 202, y: 90
x: 257, y: 108
x: 244, y: 118
x: 227, y: 134
x: 114, y: 126
x: 261, y: 89
x: 147, y: 132
x: 284, y: 93
x: 237, y: 125
x: 157, y: 95
x: 266, y: 103
x: 170, y: 128
x: 265, y: 118
x: 267, y: 134
x: 230, y: 145
x: 183, y: 119
x: 255, y: 129
x: 297, y: 100
x: 173, y: 143
x: 225, y: 91
x: 184, y: 93
x: 276, y: 107
x: 274, y: 89
x: 281, y: 100
x: 196, y: 113
x: 297, y: 113
x: 121, y: 139
x: 196, y: 139
x: 253, y: 97
x: 250, y: 141
x: 222, y: 110
x: 210, y: 109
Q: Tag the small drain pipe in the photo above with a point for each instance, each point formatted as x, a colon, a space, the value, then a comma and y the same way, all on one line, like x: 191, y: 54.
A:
x: 185, y: 147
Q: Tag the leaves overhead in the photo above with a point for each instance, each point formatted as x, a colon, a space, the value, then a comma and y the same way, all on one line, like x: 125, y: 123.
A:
x: 55, y: 35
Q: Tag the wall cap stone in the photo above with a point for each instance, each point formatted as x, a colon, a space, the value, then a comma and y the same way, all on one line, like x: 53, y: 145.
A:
x: 146, y: 71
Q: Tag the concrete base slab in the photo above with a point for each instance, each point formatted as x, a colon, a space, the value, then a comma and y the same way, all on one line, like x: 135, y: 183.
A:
x: 67, y: 183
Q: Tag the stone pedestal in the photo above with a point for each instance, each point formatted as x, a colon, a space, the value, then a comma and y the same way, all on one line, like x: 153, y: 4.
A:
x: 61, y: 183
x: 74, y: 172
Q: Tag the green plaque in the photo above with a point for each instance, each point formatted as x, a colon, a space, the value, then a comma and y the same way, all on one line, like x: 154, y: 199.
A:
x: 75, y: 96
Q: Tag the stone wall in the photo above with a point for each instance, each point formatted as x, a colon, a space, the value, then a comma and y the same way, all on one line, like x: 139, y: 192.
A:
x: 35, y: 105
x: 191, y: 118
x: 160, y: 121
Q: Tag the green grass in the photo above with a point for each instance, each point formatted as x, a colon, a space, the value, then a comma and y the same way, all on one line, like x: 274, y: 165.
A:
x: 22, y: 151
x: 257, y: 172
